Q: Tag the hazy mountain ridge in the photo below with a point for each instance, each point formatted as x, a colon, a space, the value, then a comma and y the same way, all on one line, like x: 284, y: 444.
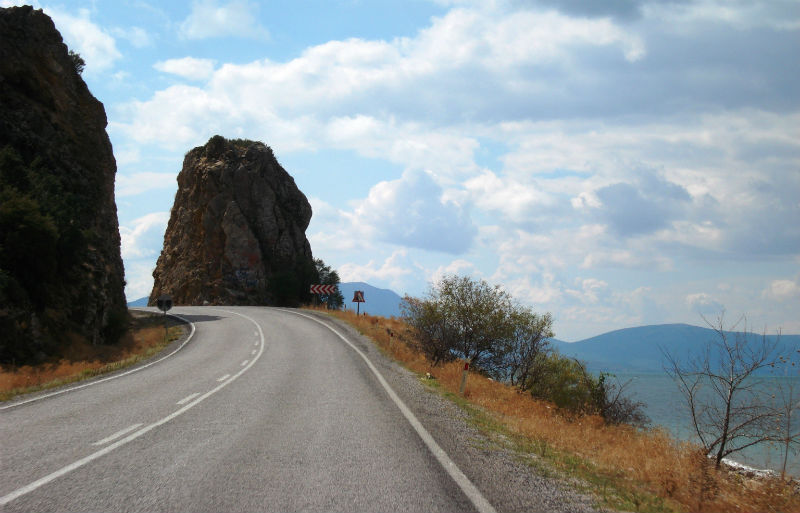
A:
x: 382, y: 302
x: 639, y: 349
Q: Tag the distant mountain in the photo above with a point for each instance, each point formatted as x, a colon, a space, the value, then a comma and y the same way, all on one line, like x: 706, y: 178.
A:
x: 638, y: 349
x: 382, y: 302
x: 142, y: 301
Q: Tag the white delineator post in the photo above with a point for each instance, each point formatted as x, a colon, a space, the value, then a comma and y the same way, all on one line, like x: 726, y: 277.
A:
x: 464, y: 379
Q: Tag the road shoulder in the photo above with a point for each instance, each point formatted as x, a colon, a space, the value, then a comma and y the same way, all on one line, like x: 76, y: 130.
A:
x: 509, y: 480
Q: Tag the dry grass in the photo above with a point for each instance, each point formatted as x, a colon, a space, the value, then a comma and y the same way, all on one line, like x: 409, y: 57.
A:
x: 626, y: 468
x: 81, y: 360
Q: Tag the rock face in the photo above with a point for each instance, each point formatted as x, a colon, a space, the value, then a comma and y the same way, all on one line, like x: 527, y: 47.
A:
x: 61, y: 274
x: 236, y: 234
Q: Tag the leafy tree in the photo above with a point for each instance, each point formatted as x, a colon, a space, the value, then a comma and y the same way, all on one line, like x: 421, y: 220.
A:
x: 434, y: 337
x: 77, y: 62
x: 726, y: 400
x: 328, y: 276
x: 465, y: 318
x: 520, y: 352
x: 462, y: 317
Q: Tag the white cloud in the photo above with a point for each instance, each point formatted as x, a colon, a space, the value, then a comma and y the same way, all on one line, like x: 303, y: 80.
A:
x: 412, y: 212
x: 783, y: 290
x: 210, y: 18
x: 541, y: 147
x: 188, y: 67
x: 138, y: 279
x: 456, y: 267
x: 391, y: 271
x: 144, y: 237
x: 137, y: 183
x: 97, y: 47
x: 136, y: 36
x: 704, y: 304
x: 741, y: 14
x: 519, y: 202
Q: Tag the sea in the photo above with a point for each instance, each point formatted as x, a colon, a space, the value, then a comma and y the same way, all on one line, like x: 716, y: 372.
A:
x: 666, y: 407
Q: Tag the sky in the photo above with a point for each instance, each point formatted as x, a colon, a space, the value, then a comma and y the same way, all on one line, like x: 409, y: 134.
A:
x: 615, y: 163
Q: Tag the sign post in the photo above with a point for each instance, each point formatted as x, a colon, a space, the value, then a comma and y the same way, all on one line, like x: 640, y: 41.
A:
x: 358, y: 298
x: 164, y: 303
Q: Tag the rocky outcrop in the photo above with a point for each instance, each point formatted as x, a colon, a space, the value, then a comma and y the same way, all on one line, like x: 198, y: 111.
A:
x: 61, y: 274
x: 236, y: 234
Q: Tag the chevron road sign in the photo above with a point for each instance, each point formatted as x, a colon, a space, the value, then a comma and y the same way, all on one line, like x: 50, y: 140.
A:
x: 323, y: 289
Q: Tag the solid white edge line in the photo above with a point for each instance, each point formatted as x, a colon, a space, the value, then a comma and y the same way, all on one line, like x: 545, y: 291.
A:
x: 19, y: 492
x: 469, y: 489
x: 115, y: 376
x: 117, y: 434
x: 188, y: 398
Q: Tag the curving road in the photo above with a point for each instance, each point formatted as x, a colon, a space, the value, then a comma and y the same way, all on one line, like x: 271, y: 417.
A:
x: 263, y: 410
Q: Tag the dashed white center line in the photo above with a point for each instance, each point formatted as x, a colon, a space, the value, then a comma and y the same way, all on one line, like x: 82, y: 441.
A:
x: 223, y: 378
x: 254, y: 351
x: 255, y: 343
x: 245, y: 363
x: 116, y: 435
x: 188, y: 398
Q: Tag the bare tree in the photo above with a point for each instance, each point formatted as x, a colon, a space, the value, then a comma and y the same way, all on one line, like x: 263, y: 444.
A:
x: 788, y: 421
x: 729, y: 408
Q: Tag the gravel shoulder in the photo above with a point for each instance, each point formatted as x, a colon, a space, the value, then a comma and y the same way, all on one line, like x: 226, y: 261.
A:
x: 507, y: 481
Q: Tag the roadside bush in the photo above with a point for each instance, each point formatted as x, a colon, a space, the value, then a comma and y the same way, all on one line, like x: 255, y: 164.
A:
x: 566, y: 383
x: 465, y: 318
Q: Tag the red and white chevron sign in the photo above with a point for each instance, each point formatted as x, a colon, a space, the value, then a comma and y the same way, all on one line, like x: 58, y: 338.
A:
x: 323, y: 289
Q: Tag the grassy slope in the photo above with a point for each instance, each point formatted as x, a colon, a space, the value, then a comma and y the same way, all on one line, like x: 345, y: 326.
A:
x: 81, y: 361
x: 627, y: 469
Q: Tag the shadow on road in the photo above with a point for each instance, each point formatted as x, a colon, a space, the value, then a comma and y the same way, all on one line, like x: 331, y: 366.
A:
x: 200, y: 318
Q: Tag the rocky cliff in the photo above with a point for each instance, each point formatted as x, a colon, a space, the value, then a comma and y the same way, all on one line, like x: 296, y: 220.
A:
x: 236, y: 234
x: 61, y: 274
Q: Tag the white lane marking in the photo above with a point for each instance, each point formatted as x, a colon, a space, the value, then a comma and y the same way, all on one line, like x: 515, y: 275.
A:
x: 223, y: 378
x: 19, y: 492
x: 117, y: 435
x: 244, y: 363
x: 469, y: 489
x: 137, y: 369
x: 253, y: 351
x: 255, y: 343
x: 188, y: 398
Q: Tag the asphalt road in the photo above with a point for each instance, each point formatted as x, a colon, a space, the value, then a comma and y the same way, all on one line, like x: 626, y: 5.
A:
x: 263, y: 410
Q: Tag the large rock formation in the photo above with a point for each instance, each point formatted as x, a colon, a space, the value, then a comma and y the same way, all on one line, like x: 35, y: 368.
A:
x: 61, y: 274
x: 236, y: 234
